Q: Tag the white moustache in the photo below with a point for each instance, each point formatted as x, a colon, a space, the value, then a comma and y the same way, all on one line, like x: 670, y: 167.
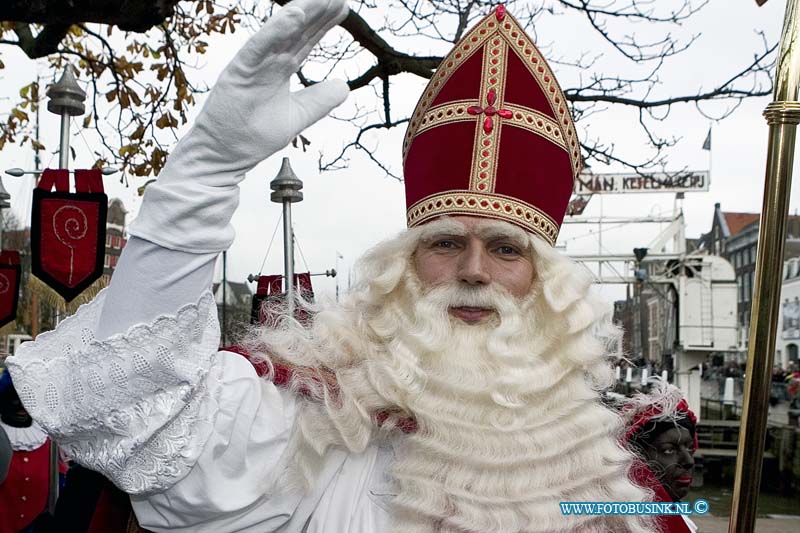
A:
x: 459, y: 296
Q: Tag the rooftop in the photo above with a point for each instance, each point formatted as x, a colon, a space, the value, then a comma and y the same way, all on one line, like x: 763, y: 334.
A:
x: 738, y: 221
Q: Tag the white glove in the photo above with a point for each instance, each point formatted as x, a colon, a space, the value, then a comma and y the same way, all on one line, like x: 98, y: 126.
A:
x: 250, y: 115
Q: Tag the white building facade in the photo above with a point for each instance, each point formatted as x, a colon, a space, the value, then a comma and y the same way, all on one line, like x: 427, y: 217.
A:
x: 788, y: 341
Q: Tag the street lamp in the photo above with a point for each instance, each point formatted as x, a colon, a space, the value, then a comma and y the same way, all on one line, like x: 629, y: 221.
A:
x: 18, y: 172
x: 286, y: 189
x: 66, y: 99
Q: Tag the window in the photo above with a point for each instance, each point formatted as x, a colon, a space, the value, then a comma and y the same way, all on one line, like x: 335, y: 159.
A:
x: 652, y: 318
x: 107, y: 260
x: 113, y: 261
x: 746, y: 327
x: 746, y: 296
x: 655, y: 350
x: 108, y: 240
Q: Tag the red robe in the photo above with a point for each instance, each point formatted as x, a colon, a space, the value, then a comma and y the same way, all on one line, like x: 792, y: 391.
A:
x: 644, y: 477
x: 23, y: 495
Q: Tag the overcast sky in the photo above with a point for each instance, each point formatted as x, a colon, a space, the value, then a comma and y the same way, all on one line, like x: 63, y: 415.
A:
x: 349, y: 210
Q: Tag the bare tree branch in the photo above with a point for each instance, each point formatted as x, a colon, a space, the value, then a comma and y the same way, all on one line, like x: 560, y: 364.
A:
x: 128, y: 15
x: 45, y: 43
x: 141, y: 89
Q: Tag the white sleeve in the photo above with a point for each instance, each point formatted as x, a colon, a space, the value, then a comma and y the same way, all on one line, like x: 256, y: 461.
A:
x: 228, y: 488
x: 151, y: 281
x: 193, y: 434
x: 137, y: 407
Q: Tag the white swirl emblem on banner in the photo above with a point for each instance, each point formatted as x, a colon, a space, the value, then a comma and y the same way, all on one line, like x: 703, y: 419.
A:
x: 5, y: 285
x: 70, y: 224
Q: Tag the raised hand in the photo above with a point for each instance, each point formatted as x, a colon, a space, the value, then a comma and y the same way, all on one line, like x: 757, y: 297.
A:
x: 249, y: 115
x: 251, y: 111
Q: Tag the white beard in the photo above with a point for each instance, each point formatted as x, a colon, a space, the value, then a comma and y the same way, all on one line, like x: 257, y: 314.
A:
x: 507, y: 427
x: 508, y: 424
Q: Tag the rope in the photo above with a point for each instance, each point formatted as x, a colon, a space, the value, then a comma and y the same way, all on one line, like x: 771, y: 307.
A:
x: 261, y: 268
x: 297, y: 241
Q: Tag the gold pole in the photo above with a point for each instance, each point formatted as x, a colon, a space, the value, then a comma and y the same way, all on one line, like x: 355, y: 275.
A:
x: 782, y: 115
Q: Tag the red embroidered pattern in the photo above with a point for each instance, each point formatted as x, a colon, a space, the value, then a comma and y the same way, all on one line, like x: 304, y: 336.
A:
x: 489, y: 111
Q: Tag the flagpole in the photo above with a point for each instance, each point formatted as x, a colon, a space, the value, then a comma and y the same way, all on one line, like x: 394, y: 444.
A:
x: 710, y: 149
x: 37, y: 165
x: 286, y: 189
x: 65, y: 99
x: 336, y: 268
x: 707, y: 146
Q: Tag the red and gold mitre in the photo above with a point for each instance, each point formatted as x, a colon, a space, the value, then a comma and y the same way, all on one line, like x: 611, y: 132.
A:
x: 492, y: 135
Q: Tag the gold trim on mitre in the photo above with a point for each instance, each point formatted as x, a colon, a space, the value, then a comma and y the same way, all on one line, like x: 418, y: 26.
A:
x: 495, y: 206
x: 448, y: 113
x: 486, y: 145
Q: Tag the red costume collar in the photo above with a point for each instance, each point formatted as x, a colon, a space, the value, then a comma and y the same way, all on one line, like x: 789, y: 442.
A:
x: 644, y: 477
x: 284, y: 373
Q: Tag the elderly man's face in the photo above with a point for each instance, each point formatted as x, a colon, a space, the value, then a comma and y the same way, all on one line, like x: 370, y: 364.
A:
x: 475, y: 252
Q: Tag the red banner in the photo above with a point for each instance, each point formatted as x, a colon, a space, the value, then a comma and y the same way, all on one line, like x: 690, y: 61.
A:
x: 269, y: 297
x: 9, y: 286
x: 68, y: 230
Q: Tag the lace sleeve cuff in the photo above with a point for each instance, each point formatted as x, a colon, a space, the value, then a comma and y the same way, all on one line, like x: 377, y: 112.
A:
x: 137, y: 407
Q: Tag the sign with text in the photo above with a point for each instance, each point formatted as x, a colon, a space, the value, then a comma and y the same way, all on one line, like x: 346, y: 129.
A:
x: 618, y: 183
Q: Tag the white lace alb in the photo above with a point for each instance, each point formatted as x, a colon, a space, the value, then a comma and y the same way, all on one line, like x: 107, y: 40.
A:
x: 135, y: 407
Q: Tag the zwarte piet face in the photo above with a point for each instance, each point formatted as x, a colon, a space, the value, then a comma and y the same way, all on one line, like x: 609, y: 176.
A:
x: 671, y: 459
x: 12, y: 412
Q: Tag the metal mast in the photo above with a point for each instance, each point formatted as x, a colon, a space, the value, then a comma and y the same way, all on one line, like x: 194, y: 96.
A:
x: 65, y: 99
x: 286, y: 189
